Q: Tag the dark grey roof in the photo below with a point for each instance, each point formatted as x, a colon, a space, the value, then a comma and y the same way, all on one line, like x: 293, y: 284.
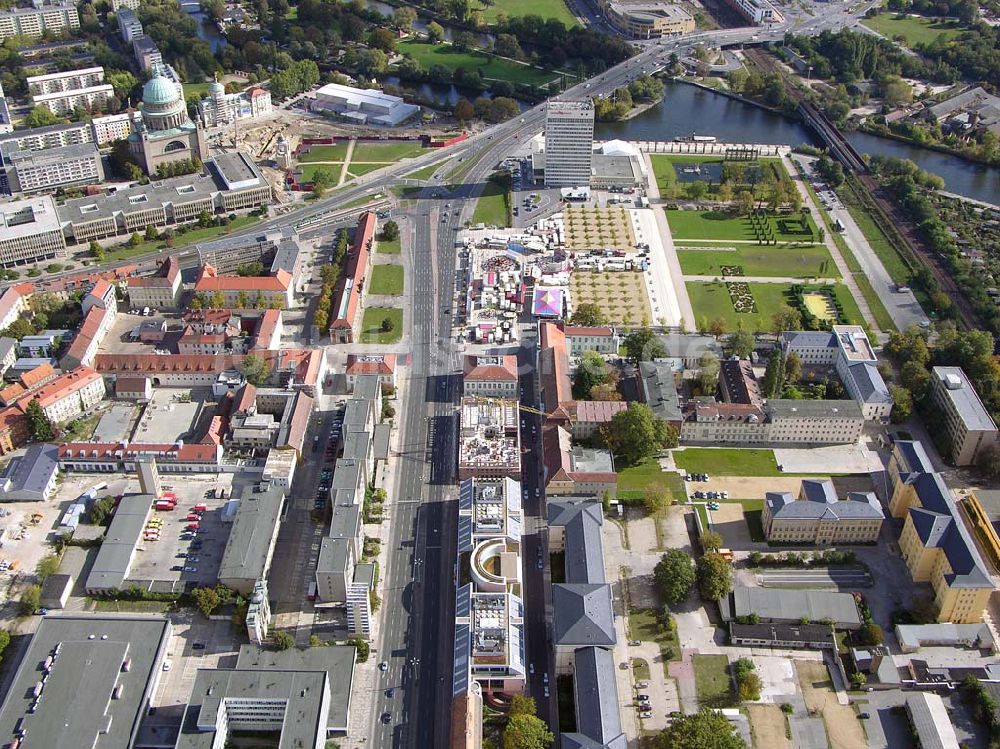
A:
x: 367, y: 387
x: 584, y: 554
x: 334, y: 554
x: 347, y: 475
x: 659, y: 390
x: 597, y: 714
x: 286, y: 257
x: 380, y: 441
x: 778, y: 408
x: 930, y: 720
x: 802, y: 633
x: 356, y: 415
x: 337, y: 660
x: 356, y: 445
x: 115, y: 555
x: 871, y: 386
x: 820, y: 501
x: 254, y: 529
x: 302, y: 693
x: 968, y: 569
x: 75, y: 708
x: 791, y: 605
x: 365, y: 573
x: 818, y: 490
x: 914, y: 456
x: 583, y: 615
x: 793, y: 339
x: 27, y: 477
x: 689, y: 345
x: 6, y: 346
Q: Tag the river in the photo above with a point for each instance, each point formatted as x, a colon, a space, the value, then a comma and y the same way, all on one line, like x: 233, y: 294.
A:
x: 687, y: 110
x: 207, y: 31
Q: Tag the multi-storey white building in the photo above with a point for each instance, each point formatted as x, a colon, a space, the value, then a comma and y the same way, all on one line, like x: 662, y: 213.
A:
x: 602, y: 339
x: 67, y: 166
x: 117, y: 5
x: 359, y: 609
x: 129, y: 25
x: 6, y: 126
x: 31, y: 231
x: 113, y: 127
x: 967, y: 424
x: 759, y: 12
x: 35, y: 21
x: 490, y: 376
x: 219, y: 108
x: 569, y: 142
x: 64, y: 102
x: 67, y: 80
x: 50, y: 136
x: 70, y: 395
x: 259, y: 614
x: 147, y: 54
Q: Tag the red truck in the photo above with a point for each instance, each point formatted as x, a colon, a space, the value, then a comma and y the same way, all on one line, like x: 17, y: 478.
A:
x: 164, y: 505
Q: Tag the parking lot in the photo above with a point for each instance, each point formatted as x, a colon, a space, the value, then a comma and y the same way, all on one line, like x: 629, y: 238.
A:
x: 188, y: 548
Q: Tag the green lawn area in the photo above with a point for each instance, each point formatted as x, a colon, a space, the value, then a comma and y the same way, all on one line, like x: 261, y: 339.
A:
x: 390, y: 151
x: 640, y: 669
x: 712, y: 682
x: 915, y: 29
x: 309, y: 171
x: 633, y: 481
x: 554, y: 9
x: 643, y: 625
x: 371, y: 325
x: 141, y: 607
x: 725, y: 227
x: 387, y: 279
x: 201, y: 89
x: 726, y: 461
x: 798, y: 261
x: 666, y: 174
x: 429, y: 55
x: 363, y: 168
x: 336, y: 152
x: 123, y: 252
x: 710, y: 300
x: 426, y: 173
x: 491, y: 208
x: 388, y: 247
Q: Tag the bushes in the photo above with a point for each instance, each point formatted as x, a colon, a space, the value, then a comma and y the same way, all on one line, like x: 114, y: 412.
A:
x: 748, y: 684
x: 984, y: 706
x: 829, y: 558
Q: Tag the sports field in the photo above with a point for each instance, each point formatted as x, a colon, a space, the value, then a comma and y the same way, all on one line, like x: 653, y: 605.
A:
x: 793, y: 261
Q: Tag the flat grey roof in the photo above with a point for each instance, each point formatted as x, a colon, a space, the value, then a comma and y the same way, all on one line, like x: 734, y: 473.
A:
x: 75, y: 708
x: 337, y: 660
x: 810, y: 409
x: 345, y: 521
x: 915, y: 635
x: 930, y: 720
x: 584, y: 554
x: 803, y: 633
x: 791, y: 605
x: 33, y: 471
x: 964, y: 398
x: 301, y: 691
x: 248, y: 549
x: 356, y: 415
x: 333, y: 555
x: 236, y: 168
x: 72, y: 151
x: 356, y: 445
x: 367, y: 387
x: 381, y: 441
x: 115, y: 556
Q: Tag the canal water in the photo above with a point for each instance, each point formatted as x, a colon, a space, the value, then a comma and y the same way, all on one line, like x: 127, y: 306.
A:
x: 207, y: 31
x: 688, y: 110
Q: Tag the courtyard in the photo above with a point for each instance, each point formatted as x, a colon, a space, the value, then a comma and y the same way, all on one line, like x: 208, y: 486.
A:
x: 620, y: 295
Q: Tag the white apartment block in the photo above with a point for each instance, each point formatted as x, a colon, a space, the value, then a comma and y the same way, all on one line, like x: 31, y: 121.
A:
x: 31, y: 231
x: 67, y: 80
x: 758, y: 12
x: 71, y: 395
x: 967, y: 424
x: 52, y: 136
x: 64, y: 102
x: 117, y: 5
x: 569, y: 142
x: 37, y: 20
x: 259, y: 614
x: 113, y: 127
x: 129, y: 25
x: 147, y: 54
x: 6, y: 126
x: 67, y: 166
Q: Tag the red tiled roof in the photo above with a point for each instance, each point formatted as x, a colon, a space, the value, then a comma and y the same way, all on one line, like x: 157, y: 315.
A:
x: 592, y: 331
x: 88, y: 332
x: 101, y: 288
x: 506, y: 370
x: 120, y: 450
x: 131, y: 384
x: 354, y: 271
x: 11, y: 393
x: 12, y: 419
x: 600, y: 412
x: 384, y: 365
x: 246, y: 399
x: 299, y: 421
x: 36, y: 376
x: 210, y: 281
x: 8, y: 301
x: 266, y: 326
x: 208, y: 316
x: 164, y: 277
x: 304, y: 363
x: 61, y: 387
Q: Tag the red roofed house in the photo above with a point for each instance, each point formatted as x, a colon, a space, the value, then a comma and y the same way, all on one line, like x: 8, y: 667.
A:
x: 383, y: 365
x: 109, y: 457
x: 68, y: 396
x: 83, y: 349
x: 12, y: 304
x: 586, y: 417
x: 490, y: 376
x: 37, y: 377
x: 102, y: 295
x: 11, y: 393
x: 14, y: 431
x: 570, y: 470
x: 161, y: 290
x: 245, y: 291
x: 267, y: 334
x: 133, y: 389
x: 350, y: 287
x: 193, y: 342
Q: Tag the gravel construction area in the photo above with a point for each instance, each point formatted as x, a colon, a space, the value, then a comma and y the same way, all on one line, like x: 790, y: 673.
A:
x: 842, y: 725
x: 767, y: 724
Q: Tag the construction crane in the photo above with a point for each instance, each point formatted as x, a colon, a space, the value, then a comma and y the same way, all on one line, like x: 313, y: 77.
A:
x: 520, y: 406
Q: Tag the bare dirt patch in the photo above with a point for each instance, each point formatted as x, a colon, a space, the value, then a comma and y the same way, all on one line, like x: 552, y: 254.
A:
x: 842, y: 726
x: 767, y: 724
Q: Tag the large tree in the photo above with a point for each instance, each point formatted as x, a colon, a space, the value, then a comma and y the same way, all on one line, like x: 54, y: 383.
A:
x: 674, y: 576
x: 39, y: 425
x: 715, y: 576
x: 636, y: 434
x: 707, y: 729
x: 524, y: 729
x: 741, y: 344
x: 592, y: 370
x: 588, y: 314
x: 643, y: 345
x: 255, y: 369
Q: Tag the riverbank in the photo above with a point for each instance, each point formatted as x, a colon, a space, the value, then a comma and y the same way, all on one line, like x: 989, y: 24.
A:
x: 884, y: 132
x: 734, y: 96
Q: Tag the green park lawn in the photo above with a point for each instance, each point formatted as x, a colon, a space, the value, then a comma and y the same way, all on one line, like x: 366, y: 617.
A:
x: 390, y: 151
x: 914, y: 29
x: 710, y: 300
x: 336, y: 152
x: 389, y: 246
x: 491, y: 208
x: 717, y: 226
x: 805, y: 261
x: 666, y: 174
x: 123, y: 251
x: 387, y: 280
x: 547, y: 9
x: 309, y: 171
x: 357, y: 169
x: 371, y: 325
x: 712, y: 682
x: 426, y: 173
x: 726, y: 461
x: 634, y: 480
x: 429, y: 55
x: 199, y: 89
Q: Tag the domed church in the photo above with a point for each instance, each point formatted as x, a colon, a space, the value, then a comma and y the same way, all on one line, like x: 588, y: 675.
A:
x: 166, y: 133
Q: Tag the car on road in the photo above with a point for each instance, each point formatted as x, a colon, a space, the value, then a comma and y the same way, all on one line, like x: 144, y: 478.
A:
x: 635, y: 643
x: 383, y: 666
x: 177, y: 568
x: 540, y: 566
x: 545, y: 678
x: 166, y: 665
x: 390, y: 692
x: 642, y: 697
x: 198, y: 646
x: 531, y: 669
x: 863, y: 716
x: 642, y: 685
x: 386, y: 719
x: 545, y: 691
